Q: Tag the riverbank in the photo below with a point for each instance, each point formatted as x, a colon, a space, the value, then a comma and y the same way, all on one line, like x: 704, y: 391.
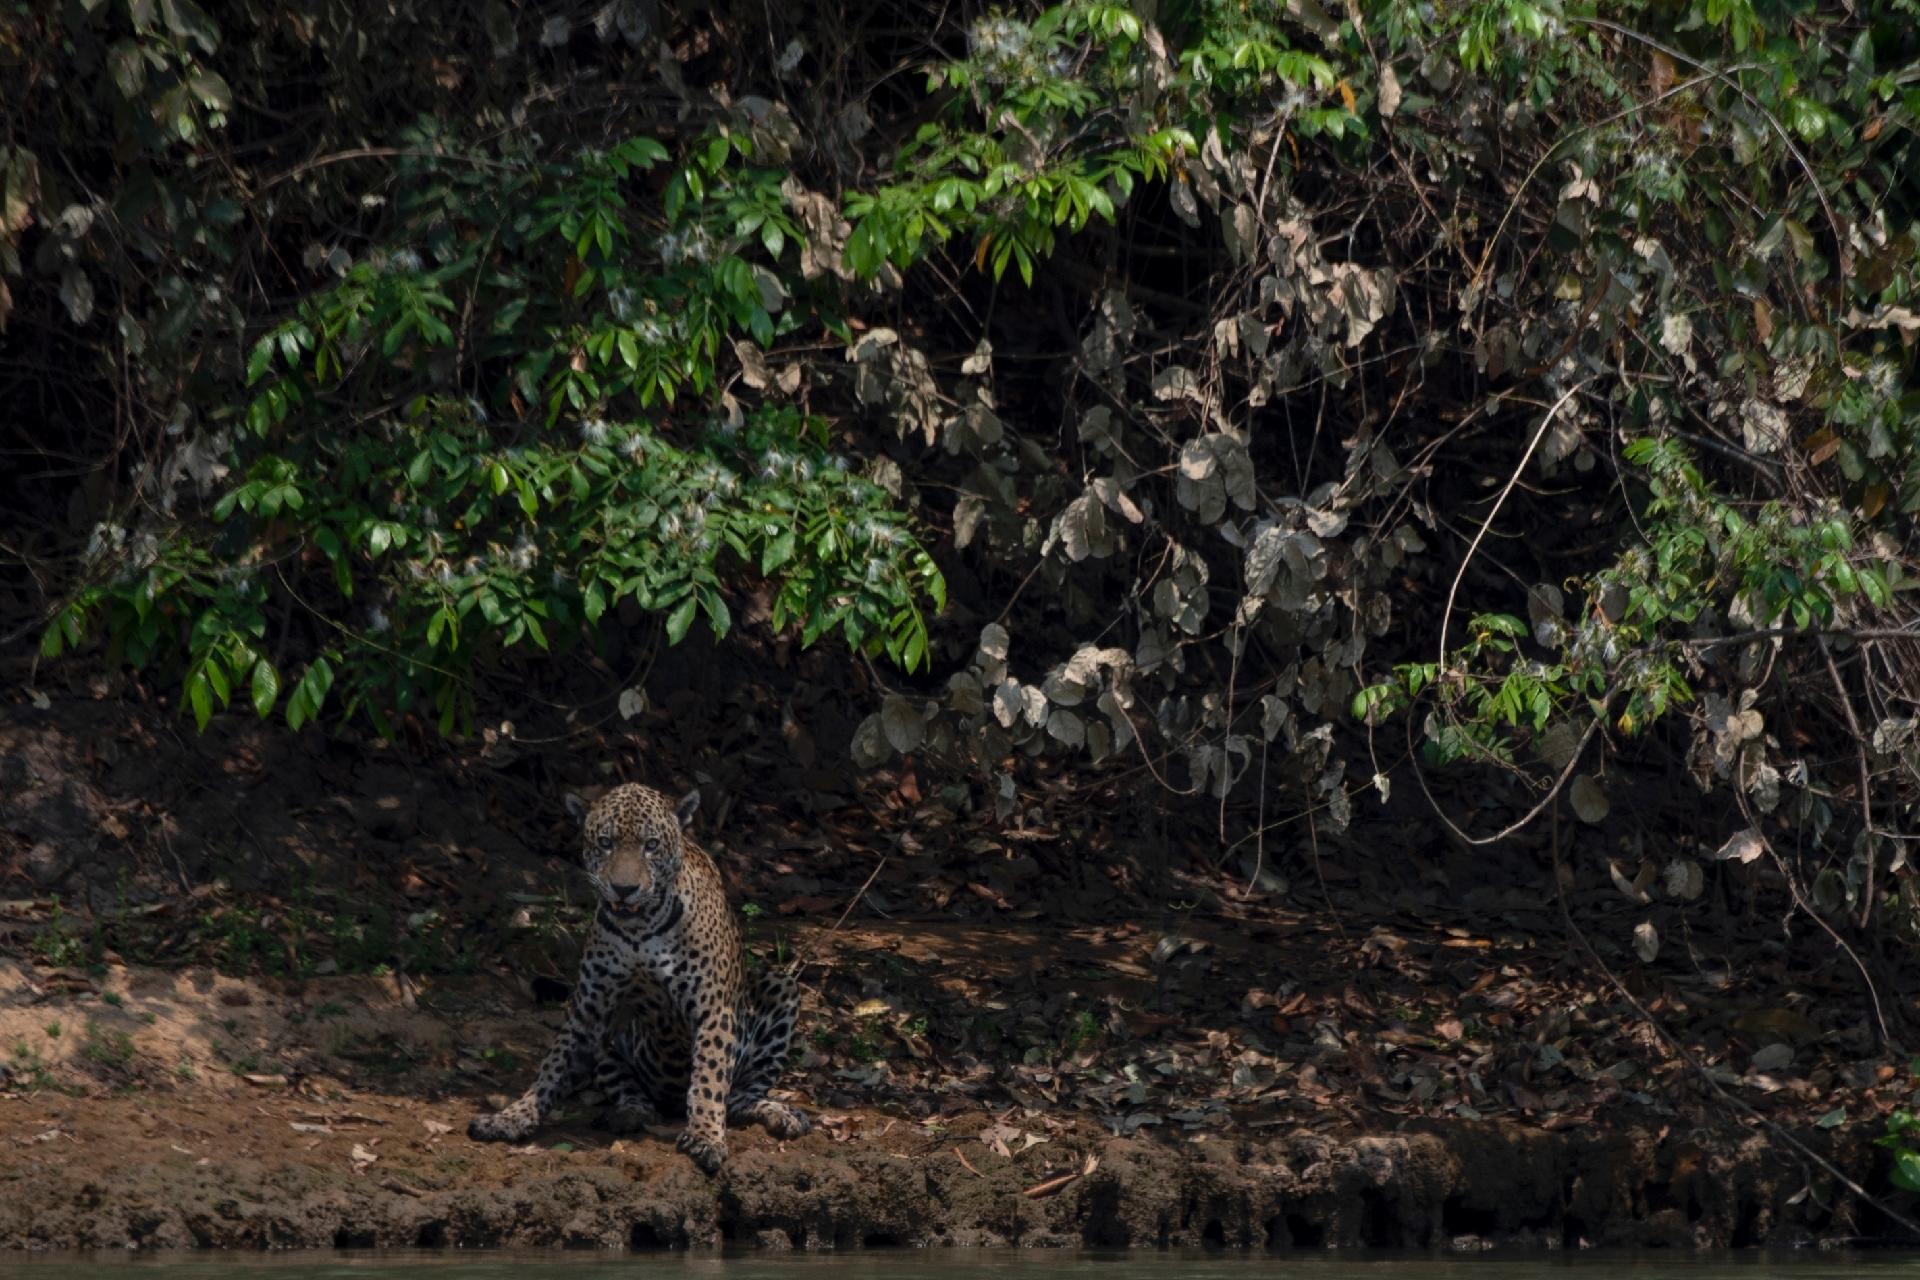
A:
x: 252, y: 985
x: 331, y: 1113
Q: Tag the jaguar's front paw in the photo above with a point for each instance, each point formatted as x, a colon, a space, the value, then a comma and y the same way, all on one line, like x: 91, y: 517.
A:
x: 629, y: 1117
x: 777, y: 1118
x: 704, y: 1152
x: 511, y: 1125
x: 783, y: 1121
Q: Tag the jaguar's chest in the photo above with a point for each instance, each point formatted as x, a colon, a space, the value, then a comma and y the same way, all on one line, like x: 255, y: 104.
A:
x: 668, y: 956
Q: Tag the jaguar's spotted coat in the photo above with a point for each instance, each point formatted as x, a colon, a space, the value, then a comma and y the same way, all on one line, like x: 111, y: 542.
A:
x: 665, y: 952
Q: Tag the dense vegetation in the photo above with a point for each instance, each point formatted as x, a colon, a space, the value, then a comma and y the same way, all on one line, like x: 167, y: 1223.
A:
x: 1276, y: 388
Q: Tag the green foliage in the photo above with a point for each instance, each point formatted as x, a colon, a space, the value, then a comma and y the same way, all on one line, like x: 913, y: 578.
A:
x: 1206, y: 340
x: 1903, y: 1139
x: 1054, y: 156
x: 1769, y: 568
x: 434, y: 532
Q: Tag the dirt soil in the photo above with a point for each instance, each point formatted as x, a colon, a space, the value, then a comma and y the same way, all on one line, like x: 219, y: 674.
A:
x: 347, y: 1144
x: 253, y: 984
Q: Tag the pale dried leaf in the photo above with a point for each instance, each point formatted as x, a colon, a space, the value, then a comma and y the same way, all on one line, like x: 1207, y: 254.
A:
x: 1589, y: 799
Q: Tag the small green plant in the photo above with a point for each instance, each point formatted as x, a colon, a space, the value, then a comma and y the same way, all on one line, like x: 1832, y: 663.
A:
x: 107, y: 1048
x: 53, y: 1030
x: 30, y: 1069
x: 1902, y: 1138
x: 867, y: 1044
x: 1080, y: 1032
x: 112, y: 999
x: 185, y: 1070
x: 59, y: 942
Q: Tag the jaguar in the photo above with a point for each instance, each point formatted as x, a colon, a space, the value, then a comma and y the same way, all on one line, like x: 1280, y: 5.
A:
x: 665, y: 1019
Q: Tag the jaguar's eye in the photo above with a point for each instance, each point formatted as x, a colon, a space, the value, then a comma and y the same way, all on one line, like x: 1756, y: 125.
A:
x: 606, y: 841
x: 653, y: 844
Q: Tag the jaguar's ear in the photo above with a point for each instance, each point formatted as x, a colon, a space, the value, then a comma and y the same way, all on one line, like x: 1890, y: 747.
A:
x: 688, y: 806
x: 576, y: 807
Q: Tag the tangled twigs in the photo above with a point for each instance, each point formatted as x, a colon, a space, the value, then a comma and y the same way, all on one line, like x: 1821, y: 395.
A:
x: 1539, y: 434
x: 1866, y: 780
x: 1800, y: 900
x: 1526, y: 819
x: 1680, y: 1051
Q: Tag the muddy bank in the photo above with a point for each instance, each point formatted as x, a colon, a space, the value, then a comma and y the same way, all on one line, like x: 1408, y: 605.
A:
x: 252, y: 986
x: 129, y: 1173
x: 151, y: 1108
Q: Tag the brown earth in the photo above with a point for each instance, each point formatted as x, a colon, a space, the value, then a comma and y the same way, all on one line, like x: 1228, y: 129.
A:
x: 344, y: 1145
x: 252, y: 984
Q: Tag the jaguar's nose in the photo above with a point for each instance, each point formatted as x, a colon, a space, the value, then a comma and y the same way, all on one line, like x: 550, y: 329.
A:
x: 622, y: 892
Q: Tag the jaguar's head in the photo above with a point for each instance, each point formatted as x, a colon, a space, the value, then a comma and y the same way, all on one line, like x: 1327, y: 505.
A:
x: 631, y: 844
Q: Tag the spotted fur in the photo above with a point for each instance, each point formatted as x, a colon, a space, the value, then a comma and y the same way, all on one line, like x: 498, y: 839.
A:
x: 664, y: 1020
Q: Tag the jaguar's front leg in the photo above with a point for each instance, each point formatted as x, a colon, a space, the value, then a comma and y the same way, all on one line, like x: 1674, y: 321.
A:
x: 567, y: 1063
x: 705, y: 1137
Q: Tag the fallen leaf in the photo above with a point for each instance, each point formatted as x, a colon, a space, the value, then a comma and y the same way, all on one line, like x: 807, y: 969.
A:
x: 1765, y: 1026
x: 1051, y: 1185
x: 1684, y: 879
x: 1743, y: 845
x: 1626, y: 886
x: 999, y: 1135
x: 1589, y: 799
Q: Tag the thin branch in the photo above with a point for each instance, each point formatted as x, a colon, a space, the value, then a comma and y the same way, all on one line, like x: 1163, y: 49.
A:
x: 1866, y: 780
x: 1446, y: 614
x: 1680, y: 1051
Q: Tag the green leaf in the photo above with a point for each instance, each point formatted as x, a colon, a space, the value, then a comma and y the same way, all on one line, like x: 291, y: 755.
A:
x: 211, y: 89
x: 1906, y: 1170
x: 216, y: 676
x: 719, y: 617
x: 127, y: 67
x: 266, y: 688
x: 680, y: 620
x: 260, y: 359
x: 778, y: 551
x: 200, y: 697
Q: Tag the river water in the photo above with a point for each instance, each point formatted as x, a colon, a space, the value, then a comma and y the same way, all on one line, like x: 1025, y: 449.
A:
x: 958, y: 1264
